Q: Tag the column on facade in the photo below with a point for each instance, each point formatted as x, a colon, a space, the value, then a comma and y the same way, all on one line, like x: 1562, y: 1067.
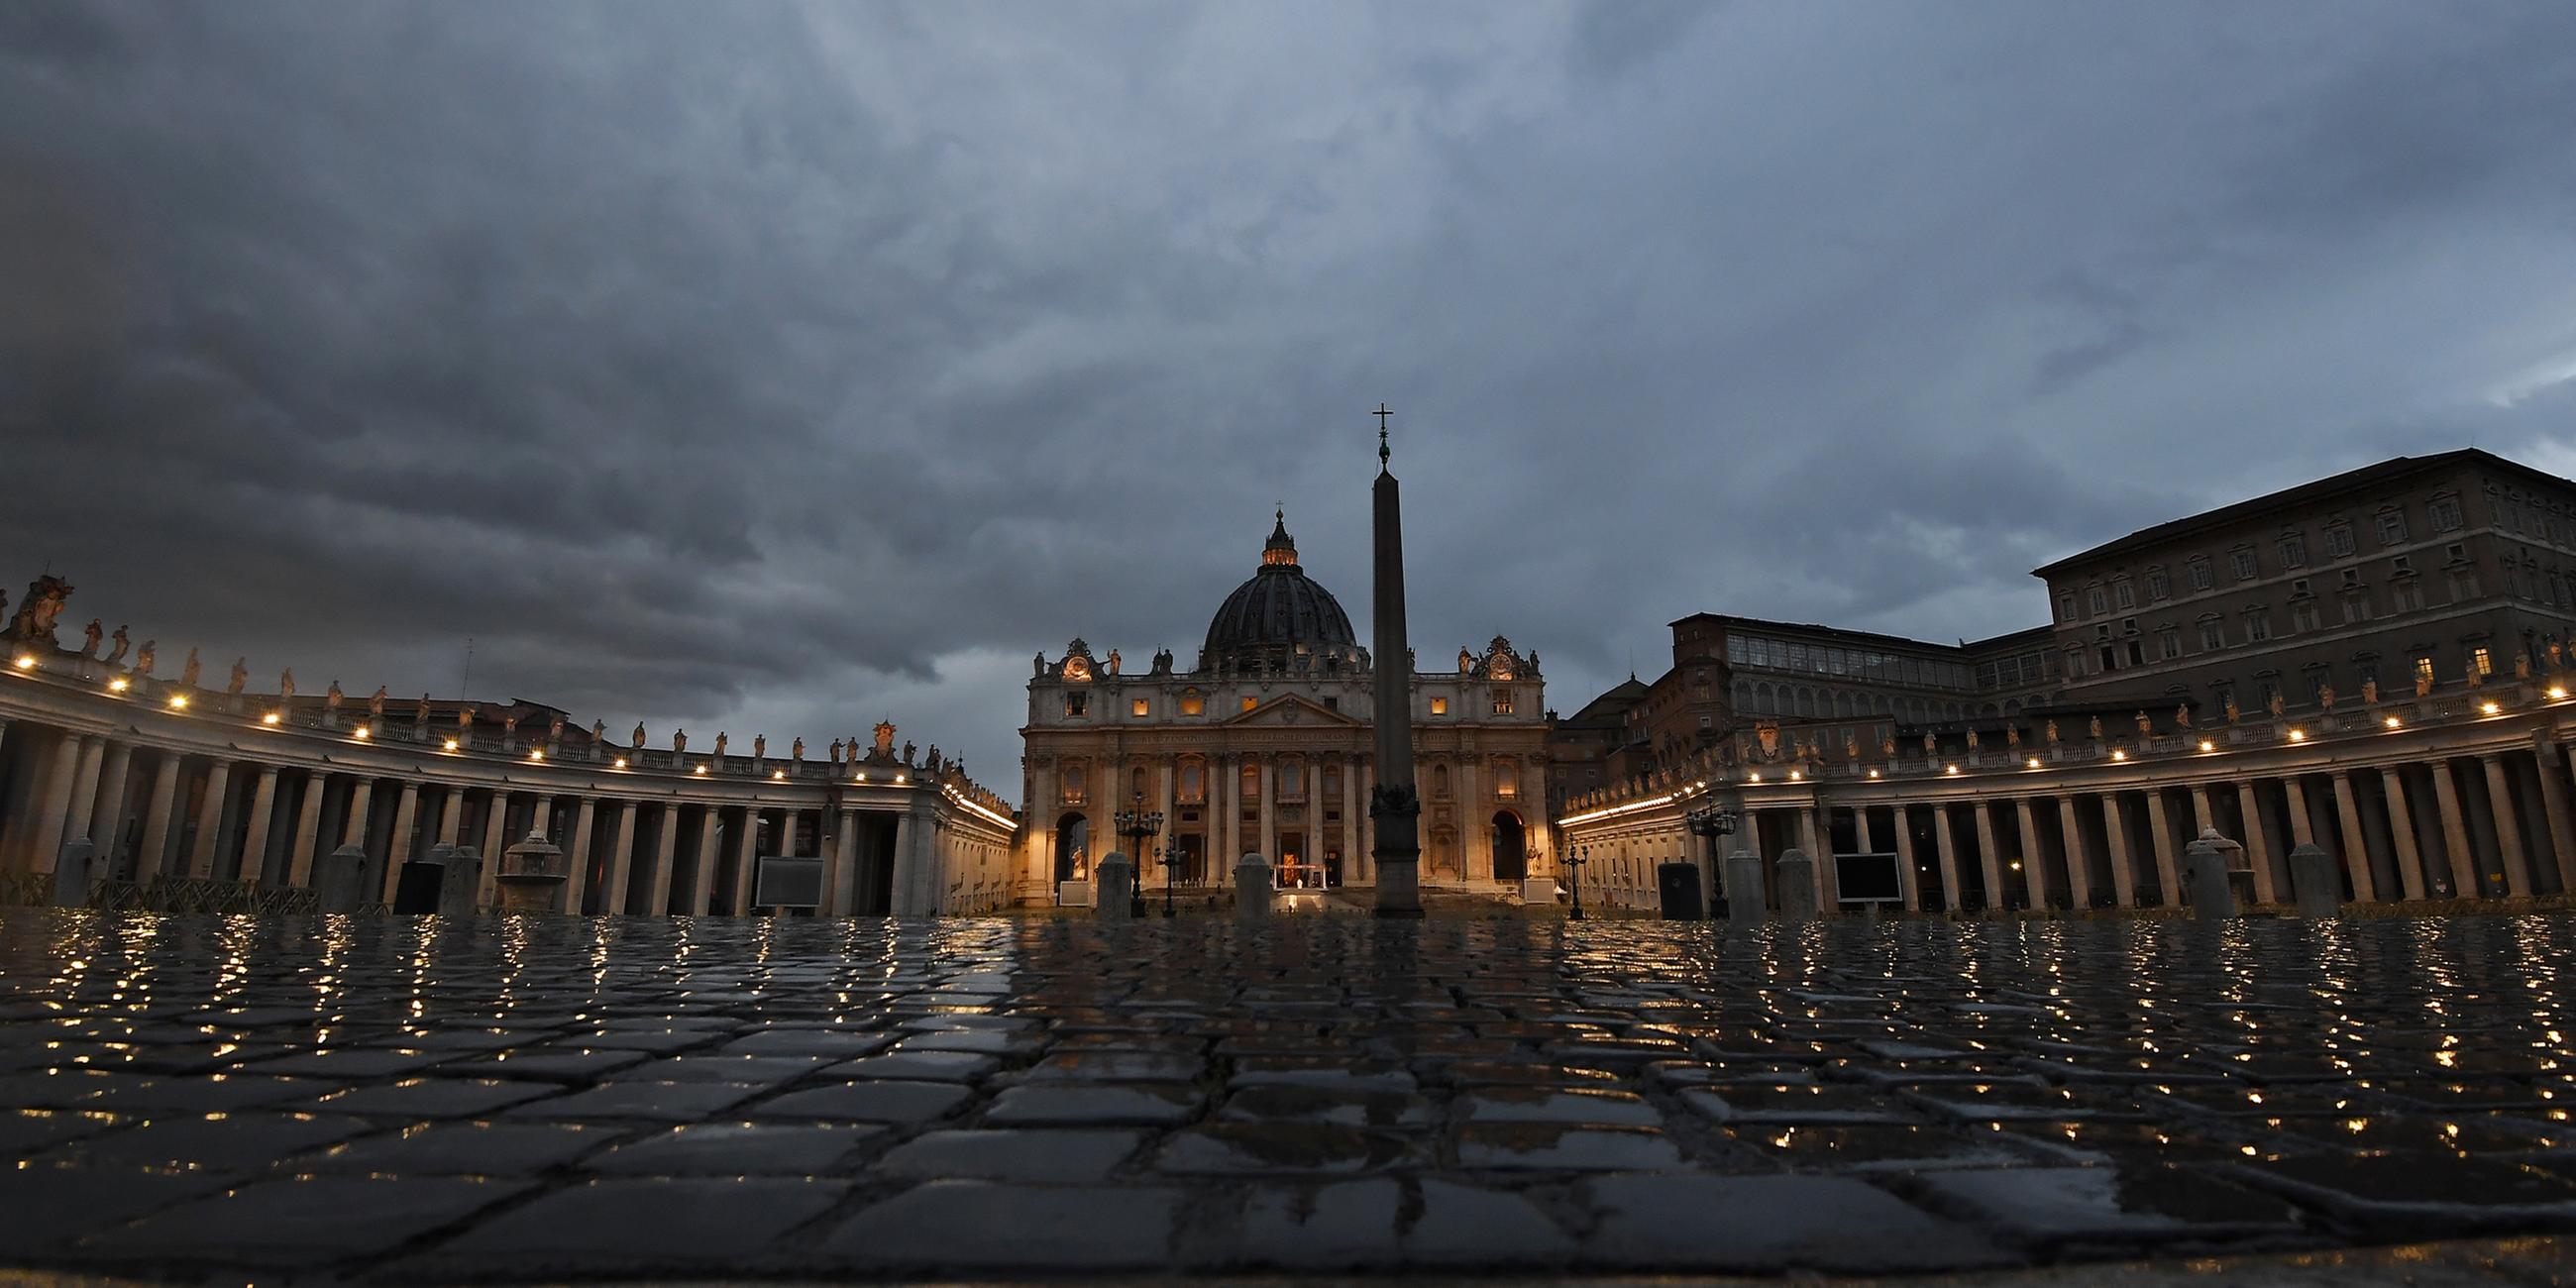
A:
x: 1910, y: 881
x: 1990, y: 859
x: 54, y: 803
x: 2115, y: 842
x: 2079, y: 871
x: 666, y: 844
x: 2257, y: 840
x: 2455, y: 832
x: 308, y: 829
x: 2160, y: 834
x: 577, y: 855
x: 2401, y: 832
x: 1222, y: 812
x: 911, y: 888
x: 1354, y: 856
x: 1364, y: 772
x: 362, y: 797
x: 1269, y: 790
x: 2356, y: 843
x: 2303, y: 829
x: 451, y: 815
x: 2201, y: 819
x: 263, y: 804
x: 2508, y: 825
x: 398, y: 846
x: 156, y: 818
x: 496, y: 837
x: 1945, y: 852
x: 746, y: 860
x: 2034, y: 863
x: 621, y: 862
x: 107, y: 817
x: 91, y: 760
x: 1167, y: 803
x: 2550, y: 760
x: 838, y: 894
x: 1815, y: 840
x: 1475, y: 822
x: 210, y: 820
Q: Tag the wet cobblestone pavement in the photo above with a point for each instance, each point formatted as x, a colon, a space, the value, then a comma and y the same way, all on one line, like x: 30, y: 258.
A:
x: 401, y: 1100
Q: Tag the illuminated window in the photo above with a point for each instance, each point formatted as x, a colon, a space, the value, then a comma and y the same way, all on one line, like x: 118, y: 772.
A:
x: 1248, y: 704
x: 1077, y: 705
x: 1140, y: 707
x: 2424, y: 668
x: 1502, y: 701
x: 1193, y: 781
x: 1440, y: 706
x: 1193, y: 703
x: 1073, y: 784
x: 1251, y: 783
x: 2478, y: 658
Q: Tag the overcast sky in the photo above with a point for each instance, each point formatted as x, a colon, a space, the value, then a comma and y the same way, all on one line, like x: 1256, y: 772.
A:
x: 765, y: 367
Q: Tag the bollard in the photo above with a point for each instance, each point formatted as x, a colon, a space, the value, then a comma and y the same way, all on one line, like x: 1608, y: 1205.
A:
x: 1797, y: 887
x: 2206, y: 863
x: 1679, y: 885
x: 340, y: 880
x: 1117, y: 878
x: 72, y: 880
x: 460, y: 883
x: 1744, y: 889
x: 1252, y: 888
x: 416, y: 886
x: 2316, y: 882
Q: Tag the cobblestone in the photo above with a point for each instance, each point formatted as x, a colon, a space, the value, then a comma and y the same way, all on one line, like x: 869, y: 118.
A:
x: 406, y: 1100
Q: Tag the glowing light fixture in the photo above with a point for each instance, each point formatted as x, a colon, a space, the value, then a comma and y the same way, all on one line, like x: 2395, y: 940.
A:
x: 2207, y: 745
x: 118, y: 685
x: 450, y: 744
x: 2391, y: 722
x: 2118, y: 754
x: 779, y: 774
x: 2489, y: 708
x: 178, y: 702
x: 1873, y: 773
x: 702, y: 770
x: 1794, y: 776
x: 1951, y: 770
x: 26, y: 661
x: 2557, y: 692
x: 1754, y: 778
x: 621, y: 762
x: 537, y: 754
x: 361, y: 733
x: 2298, y: 735
x: 2032, y: 763
x: 269, y: 719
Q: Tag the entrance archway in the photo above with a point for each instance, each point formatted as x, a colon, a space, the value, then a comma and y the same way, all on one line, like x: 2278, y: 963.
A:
x: 1511, y: 847
x: 1072, y: 842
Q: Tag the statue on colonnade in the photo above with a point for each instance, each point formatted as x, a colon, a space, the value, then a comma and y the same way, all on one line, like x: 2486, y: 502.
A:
x: 679, y: 741
x: 720, y: 744
x: 143, y: 658
x: 190, y: 670
x: 43, y: 605
x: 89, y: 639
x: 638, y: 737
x: 376, y: 704
x: 117, y: 654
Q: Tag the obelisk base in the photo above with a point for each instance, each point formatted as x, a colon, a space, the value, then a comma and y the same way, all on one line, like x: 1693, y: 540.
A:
x: 1399, y: 887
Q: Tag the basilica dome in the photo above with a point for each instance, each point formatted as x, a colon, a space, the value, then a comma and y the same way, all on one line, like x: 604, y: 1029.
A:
x: 1281, y: 620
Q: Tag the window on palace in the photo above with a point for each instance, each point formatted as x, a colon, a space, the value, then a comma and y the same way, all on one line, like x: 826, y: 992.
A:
x: 2158, y: 587
x: 2464, y: 584
x: 2065, y: 607
x: 2300, y: 589
x: 2243, y: 564
x: 2097, y: 601
x: 2444, y: 514
x: 1440, y: 706
x: 1077, y: 705
x: 2392, y: 528
x: 2423, y: 668
x: 2198, y: 570
x: 2479, y: 659
x: 2339, y: 540
x: 2356, y: 608
x: 1193, y: 703
x: 2294, y: 551
x: 1251, y: 786
x: 1440, y: 781
x: 2258, y: 625
x: 2169, y: 643
x: 2408, y: 594
x: 2303, y: 616
x: 1249, y: 703
x: 2124, y: 594
x: 1193, y: 781
x: 1140, y: 707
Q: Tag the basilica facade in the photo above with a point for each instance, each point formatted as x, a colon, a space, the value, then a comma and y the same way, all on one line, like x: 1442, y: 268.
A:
x: 1263, y: 747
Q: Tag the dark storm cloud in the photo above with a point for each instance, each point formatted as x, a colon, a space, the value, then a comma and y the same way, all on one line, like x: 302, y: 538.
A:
x: 771, y: 367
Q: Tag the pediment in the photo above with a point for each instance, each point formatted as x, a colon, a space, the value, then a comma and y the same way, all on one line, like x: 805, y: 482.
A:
x: 1289, y: 710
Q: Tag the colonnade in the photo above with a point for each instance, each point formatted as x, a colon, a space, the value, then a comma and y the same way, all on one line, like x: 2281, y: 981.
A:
x: 164, y: 794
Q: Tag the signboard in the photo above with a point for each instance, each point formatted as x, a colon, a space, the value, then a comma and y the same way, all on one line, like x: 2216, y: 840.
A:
x: 784, y: 882
x: 1868, y: 878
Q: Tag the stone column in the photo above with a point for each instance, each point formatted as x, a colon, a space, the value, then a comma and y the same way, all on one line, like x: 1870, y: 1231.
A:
x: 2550, y: 760
x: 1946, y: 853
x: 2401, y: 833
x: 1222, y: 811
x: 1364, y: 771
x: 2258, y: 840
x: 398, y: 846
x: 2201, y: 819
x: 308, y: 831
x: 1270, y: 806
x: 2115, y: 839
x: 107, y: 815
x: 451, y: 819
x: 914, y: 888
x: 2079, y: 868
x: 362, y: 794
x: 1990, y: 860
x: 2303, y: 830
x: 1814, y: 842
x: 746, y: 860
x: 578, y: 853
x: 2356, y: 843
x: 666, y: 844
x: 84, y: 802
x: 621, y: 861
x: 1907, y: 878
x: 496, y: 840
x: 1355, y: 863
x: 2034, y: 862
x: 156, y: 818
x: 2508, y: 824
x: 210, y: 820
x: 1475, y: 824
x: 845, y: 859
x: 2455, y: 832
x: 263, y: 804
x: 55, y: 803
x: 2160, y: 835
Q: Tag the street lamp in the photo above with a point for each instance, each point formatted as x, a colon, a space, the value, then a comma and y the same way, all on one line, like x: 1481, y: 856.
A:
x: 1162, y: 855
x: 1575, y: 859
x: 1136, y: 824
x: 1713, y: 822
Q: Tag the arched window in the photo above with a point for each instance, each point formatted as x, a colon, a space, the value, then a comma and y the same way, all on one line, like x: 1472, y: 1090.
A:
x: 1073, y: 782
x: 1251, y: 782
x: 1193, y: 780
x: 1292, y: 777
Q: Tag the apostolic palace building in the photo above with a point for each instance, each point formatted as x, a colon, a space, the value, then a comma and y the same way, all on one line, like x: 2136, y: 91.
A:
x: 2374, y: 664
x: 1263, y: 747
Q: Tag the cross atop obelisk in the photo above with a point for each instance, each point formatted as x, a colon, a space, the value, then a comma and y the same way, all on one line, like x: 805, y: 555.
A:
x: 1394, y: 809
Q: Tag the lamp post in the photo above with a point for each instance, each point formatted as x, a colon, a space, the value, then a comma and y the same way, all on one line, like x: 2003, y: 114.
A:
x: 1575, y: 859
x: 1136, y: 824
x: 1162, y: 855
x: 1713, y: 822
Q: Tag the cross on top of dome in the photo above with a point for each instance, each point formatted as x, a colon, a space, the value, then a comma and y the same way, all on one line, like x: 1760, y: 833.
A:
x: 1281, y: 549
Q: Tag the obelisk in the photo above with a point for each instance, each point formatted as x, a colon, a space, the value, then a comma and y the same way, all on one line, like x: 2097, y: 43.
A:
x: 1394, y: 809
